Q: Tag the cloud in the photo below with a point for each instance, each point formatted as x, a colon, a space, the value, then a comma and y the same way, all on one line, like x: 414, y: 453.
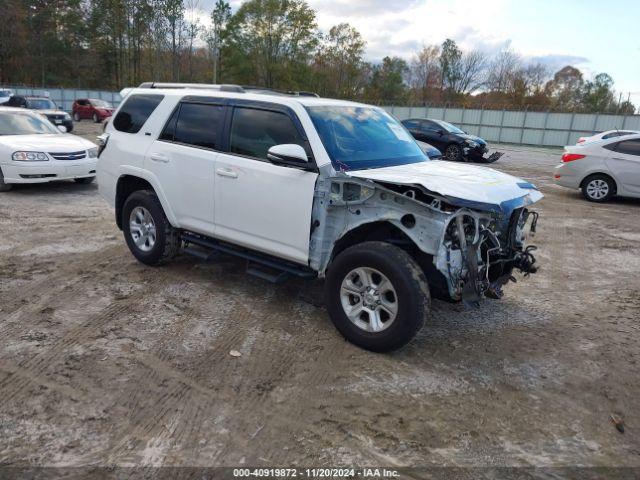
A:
x: 557, y: 61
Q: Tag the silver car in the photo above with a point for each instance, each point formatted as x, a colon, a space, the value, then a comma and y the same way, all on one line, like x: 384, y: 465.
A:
x: 602, y: 169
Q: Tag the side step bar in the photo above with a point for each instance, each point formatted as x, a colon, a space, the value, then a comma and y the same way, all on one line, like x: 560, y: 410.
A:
x: 259, y: 265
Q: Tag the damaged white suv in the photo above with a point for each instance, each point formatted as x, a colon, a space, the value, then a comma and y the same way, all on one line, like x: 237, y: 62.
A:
x: 308, y: 187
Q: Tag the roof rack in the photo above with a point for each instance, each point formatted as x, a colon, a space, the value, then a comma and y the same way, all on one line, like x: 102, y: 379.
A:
x: 230, y: 88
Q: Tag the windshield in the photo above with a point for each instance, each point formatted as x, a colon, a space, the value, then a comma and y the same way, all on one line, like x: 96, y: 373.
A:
x: 5, y: 93
x: 42, y: 104
x: 448, y: 127
x: 357, y: 138
x: 24, y: 124
x: 100, y: 103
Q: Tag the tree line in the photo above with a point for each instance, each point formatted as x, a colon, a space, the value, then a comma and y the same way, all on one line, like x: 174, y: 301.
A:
x: 110, y: 44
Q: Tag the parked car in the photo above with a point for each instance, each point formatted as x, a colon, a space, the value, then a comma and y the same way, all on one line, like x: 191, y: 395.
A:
x: 44, y: 105
x: 5, y: 95
x: 602, y: 169
x: 606, y: 135
x: 456, y: 144
x: 429, y: 150
x: 93, y: 108
x: 309, y: 187
x: 32, y: 150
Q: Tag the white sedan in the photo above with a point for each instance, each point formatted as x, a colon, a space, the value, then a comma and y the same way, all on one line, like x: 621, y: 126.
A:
x: 602, y: 169
x: 33, y: 150
x: 606, y: 135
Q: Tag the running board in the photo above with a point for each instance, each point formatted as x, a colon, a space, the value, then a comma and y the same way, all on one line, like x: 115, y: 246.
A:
x: 263, y: 266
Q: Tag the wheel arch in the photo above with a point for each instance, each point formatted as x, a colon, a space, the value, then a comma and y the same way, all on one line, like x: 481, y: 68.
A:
x: 603, y: 173
x: 127, y: 184
x: 388, y: 232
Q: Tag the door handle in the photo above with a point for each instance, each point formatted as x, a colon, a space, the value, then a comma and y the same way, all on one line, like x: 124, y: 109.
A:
x: 159, y: 157
x: 223, y: 172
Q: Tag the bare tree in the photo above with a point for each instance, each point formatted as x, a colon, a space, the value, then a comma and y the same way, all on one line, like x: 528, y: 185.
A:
x: 473, y: 66
x: 502, y: 70
x: 425, y: 70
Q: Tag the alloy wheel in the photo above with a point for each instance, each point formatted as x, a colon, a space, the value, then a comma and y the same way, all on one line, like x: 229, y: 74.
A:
x: 369, y: 299
x: 142, y: 229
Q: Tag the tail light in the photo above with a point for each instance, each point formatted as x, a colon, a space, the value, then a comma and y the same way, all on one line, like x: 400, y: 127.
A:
x: 570, y: 157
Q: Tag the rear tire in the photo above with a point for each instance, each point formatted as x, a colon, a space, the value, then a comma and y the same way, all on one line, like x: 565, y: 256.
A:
x: 96, y: 119
x: 598, y: 188
x: 84, y: 181
x: 4, y: 187
x: 148, y: 233
x: 391, y: 284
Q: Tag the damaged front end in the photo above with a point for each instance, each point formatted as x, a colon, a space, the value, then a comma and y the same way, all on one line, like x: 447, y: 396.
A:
x: 468, y: 248
x: 479, y: 252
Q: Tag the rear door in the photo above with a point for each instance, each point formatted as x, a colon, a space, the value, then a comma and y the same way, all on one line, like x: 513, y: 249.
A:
x: 184, y: 160
x: 624, y: 163
x: 258, y: 204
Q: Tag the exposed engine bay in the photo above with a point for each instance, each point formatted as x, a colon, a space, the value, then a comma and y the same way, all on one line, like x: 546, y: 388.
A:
x: 468, y: 248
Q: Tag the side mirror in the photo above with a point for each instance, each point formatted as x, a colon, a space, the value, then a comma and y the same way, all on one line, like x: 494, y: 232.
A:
x: 440, y: 132
x: 288, y: 154
x: 62, y: 128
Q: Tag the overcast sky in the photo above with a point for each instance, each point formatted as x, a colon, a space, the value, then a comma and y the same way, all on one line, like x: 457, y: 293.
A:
x: 592, y: 35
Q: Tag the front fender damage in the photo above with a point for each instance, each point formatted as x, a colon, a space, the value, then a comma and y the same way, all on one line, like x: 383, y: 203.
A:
x: 474, y: 246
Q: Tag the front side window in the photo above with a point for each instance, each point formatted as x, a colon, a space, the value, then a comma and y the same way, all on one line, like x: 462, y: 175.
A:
x: 430, y: 126
x: 24, y: 124
x: 135, y: 112
x: 412, y: 124
x: 254, y: 132
x: 449, y: 128
x: 629, y: 147
x: 357, y: 138
x: 196, y: 124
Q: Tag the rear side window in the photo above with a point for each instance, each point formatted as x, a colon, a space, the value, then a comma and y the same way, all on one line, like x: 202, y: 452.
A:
x: 196, y: 124
x: 135, y: 112
x: 630, y: 147
x: 254, y: 131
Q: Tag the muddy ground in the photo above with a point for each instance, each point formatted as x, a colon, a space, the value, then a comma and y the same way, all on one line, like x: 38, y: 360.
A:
x: 104, y: 361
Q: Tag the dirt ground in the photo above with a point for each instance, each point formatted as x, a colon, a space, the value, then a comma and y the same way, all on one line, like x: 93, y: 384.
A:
x: 104, y: 361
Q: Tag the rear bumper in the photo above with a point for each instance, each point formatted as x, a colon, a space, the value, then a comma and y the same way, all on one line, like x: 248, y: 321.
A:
x: 42, y: 172
x: 566, y: 176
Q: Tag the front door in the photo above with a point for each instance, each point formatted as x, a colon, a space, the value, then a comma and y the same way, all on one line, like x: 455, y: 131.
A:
x: 260, y: 205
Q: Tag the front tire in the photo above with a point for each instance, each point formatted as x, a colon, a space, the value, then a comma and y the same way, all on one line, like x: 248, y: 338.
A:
x: 4, y: 187
x: 598, y: 188
x: 377, y: 296
x: 453, y: 152
x: 148, y: 233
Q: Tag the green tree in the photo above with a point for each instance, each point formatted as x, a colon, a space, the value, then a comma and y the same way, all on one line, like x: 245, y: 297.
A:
x: 565, y: 88
x: 215, y: 35
x: 339, y: 63
x: 597, y: 94
x: 387, y: 82
x: 270, y: 43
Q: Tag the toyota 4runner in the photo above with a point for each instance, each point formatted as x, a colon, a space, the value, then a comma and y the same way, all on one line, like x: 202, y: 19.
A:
x: 308, y: 187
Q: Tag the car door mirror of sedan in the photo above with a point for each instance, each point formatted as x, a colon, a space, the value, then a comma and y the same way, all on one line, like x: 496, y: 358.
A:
x: 62, y: 128
x: 440, y: 131
x: 288, y: 154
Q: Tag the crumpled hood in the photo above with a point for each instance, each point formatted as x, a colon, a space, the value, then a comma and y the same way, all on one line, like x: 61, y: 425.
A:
x: 462, y: 184
x: 479, y: 140
x: 45, y: 143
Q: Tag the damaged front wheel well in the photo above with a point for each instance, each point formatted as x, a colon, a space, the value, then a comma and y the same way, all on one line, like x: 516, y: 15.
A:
x: 389, y: 233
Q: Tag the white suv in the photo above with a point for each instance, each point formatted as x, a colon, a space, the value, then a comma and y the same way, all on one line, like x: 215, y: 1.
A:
x: 309, y: 187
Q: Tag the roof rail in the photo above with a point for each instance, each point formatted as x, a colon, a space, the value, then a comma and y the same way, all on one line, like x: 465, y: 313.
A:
x: 229, y: 88
x: 271, y: 91
x: 204, y: 86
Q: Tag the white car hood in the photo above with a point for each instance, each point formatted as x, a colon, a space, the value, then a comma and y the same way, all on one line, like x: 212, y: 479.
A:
x: 469, y: 183
x: 46, y: 143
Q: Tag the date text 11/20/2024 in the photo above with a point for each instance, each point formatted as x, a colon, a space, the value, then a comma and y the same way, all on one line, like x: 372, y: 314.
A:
x: 315, y: 472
